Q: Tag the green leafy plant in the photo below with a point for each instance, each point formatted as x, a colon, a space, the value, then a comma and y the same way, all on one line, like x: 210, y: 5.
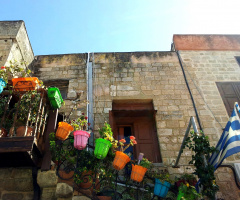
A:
x: 186, y: 178
x: 14, y: 68
x: 162, y: 175
x: 188, y: 192
x: 200, y: 145
x: 146, y: 163
x: 33, y: 98
x: 64, y: 152
x: 80, y: 123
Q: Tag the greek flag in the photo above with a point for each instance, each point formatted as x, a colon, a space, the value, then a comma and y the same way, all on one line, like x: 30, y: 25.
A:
x: 229, y: 142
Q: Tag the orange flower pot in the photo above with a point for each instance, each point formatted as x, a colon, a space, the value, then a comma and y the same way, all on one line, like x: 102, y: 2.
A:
x: 120, y: 160
x: 25, y: 84
x: 63, y: 131
x: 138, y: 172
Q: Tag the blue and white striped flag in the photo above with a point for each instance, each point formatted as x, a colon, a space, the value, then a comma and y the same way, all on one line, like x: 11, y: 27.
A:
x: 229, y: 142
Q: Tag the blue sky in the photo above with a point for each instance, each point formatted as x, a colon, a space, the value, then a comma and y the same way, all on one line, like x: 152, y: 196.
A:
x: 79, y: 26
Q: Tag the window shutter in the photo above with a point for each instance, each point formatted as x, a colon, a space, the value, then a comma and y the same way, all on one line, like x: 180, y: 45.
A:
x: 230, y: 93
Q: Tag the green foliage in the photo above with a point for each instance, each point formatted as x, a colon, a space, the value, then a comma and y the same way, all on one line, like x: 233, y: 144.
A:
x: 80, y: 123
x: 146, y: 163
x: 14, y: 68
x: 189, y: 192
x: 201, y: 146
x: 162, y: 175
x: 62, y: 152
x: 29, y: 97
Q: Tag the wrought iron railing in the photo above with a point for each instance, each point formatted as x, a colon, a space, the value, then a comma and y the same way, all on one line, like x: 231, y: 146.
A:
x: 119, y: 186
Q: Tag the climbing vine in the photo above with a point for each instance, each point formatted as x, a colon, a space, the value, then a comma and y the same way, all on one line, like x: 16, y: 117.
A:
x: 205, y: 171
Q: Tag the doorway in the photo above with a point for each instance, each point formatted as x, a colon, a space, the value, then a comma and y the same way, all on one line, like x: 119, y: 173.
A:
x: 137, y: 119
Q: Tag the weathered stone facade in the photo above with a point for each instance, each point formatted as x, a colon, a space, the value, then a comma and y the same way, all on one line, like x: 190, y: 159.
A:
x: 14, y: 43
x: 155, y: 76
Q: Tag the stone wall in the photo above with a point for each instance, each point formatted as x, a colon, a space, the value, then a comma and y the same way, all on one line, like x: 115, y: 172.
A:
x: 143, y: 75
x: 16, y: 183
x: 203, y: 70
x: 70, y: 67
x: 14, y: 43
x: 146, y: 75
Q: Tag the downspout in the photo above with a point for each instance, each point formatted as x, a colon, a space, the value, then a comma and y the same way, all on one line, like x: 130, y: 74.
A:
x: 186, y: 81
x: 89, y: 75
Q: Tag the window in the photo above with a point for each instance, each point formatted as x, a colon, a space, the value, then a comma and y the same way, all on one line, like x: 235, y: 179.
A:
x: 133, y: 117
x: 230, y: 93
x: 61, y: 84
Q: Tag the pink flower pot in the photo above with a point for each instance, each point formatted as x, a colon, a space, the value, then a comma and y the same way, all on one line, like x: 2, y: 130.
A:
x: 80, y: 139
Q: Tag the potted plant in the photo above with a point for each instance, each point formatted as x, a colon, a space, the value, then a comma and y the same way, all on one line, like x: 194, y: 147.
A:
x: 63, y: 131
x: 10, y: 71
x: 200, y: 145
x: 121, y: 159
x: 187, y: 192
x: 186, y: 178
x: 27, y: 120
x: 80, y: 134
x: 5, y: 117
x: 162, y: 183
x: 139, y: 170
x: 103, y: 144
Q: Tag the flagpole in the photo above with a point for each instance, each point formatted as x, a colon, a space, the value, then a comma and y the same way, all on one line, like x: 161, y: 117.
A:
x: 190, y: 124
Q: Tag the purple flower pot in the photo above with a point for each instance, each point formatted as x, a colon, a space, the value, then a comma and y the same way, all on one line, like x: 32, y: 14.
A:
x: 80, y: 139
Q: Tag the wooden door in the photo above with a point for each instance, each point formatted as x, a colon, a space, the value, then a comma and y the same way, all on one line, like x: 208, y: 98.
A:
x: 143, y: 128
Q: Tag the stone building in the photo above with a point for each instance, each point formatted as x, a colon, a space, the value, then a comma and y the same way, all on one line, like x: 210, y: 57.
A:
x: 145, y: 94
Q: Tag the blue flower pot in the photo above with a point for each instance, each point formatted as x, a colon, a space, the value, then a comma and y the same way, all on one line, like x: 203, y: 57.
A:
x: 161, y: 189
x: 2, y: 85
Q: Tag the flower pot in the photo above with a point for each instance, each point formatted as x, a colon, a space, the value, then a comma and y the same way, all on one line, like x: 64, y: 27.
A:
x: 25, y: 84
x: 104, y: 198
x: 88, y: 180
x: 20, y: 132
x: 120, y: 160
x: 2, y: 85
x: 63, y: 131
x: 55, y: 97
x: 161, y: 189
x: 180, y: 195
x: 101, y: 148
x: 80, y: 139
x: 138, y: 172
x: 3, y: 132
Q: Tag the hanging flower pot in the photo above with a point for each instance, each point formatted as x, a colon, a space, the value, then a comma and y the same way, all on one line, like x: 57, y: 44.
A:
x: 63, y: 131
x: 3, y: 132
x: 120, y: 160
x: 161, y: 189
x: 25, y: 84
x: 55, y: 97
x: 102, y: 147
x: 20, y: 132
x: 80, y: 139
x: 180, y: 195
x: 2, y: 85
x: 138, y: 172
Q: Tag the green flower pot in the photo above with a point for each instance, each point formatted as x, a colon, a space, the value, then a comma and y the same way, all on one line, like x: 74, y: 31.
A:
x: 180, y: 195
x: 55, y: 97
x: 102, y: 147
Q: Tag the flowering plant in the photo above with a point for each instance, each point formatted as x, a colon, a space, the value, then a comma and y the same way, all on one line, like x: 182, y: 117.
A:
x: 123, y: 141
x: 107, y: 134
x: 80, y: 123
x: 14, y: 69
x: 188, y: 192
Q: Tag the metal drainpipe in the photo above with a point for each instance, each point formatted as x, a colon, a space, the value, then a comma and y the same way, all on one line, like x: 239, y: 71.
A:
x: 194, y: 105
x: 90, y: 93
